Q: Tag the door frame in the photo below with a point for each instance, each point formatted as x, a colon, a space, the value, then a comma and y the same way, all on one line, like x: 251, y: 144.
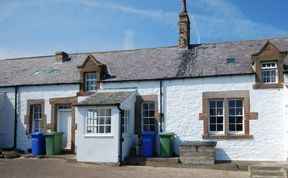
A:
x: 58, y: 114
x: 53, y: 126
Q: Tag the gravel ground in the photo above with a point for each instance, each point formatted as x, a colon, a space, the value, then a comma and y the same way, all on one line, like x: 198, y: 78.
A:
x: 60, y: 168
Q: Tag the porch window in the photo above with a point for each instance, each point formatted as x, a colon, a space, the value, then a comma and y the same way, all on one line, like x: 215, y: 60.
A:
x: 90, y: 81
x: 36, y: 118
x: 125, y: 121
x: 269, y: 72
x: 98, y: 121
x: 148, y: 117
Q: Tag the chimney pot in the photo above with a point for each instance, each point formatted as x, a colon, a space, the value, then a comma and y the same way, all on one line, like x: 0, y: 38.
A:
x: 61, y: 56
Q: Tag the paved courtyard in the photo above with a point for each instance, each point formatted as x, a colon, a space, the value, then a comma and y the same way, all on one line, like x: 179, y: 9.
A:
x: 60, y: 168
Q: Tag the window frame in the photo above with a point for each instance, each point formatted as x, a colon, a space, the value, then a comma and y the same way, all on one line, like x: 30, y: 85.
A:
x: 125, y: 122
x: 228, y: 116
x: 216, y: 117
x: 97, y: 125
x: 269, y: 69
x: 226, y: 95
x: 225, y: 115
x: 87, y: 80
x: 33, y: 118
x: 148, y: 117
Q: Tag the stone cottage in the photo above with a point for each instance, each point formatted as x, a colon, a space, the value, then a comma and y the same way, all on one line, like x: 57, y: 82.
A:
x: 234, y: 93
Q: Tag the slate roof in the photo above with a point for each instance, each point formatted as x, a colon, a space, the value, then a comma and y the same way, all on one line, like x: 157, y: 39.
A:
x: 105, y: 98
x: 140, y: 64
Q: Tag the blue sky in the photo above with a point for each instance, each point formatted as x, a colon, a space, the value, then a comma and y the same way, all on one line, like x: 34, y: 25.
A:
x: 41, y: 27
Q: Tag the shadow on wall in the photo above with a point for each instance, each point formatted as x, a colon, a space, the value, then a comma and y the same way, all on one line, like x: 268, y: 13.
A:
x: 23, y: 139
x: 6, y: 123
x: 221, y: 155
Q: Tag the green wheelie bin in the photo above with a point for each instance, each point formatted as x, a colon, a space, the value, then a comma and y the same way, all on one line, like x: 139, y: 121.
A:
x: 166, y: 144
x: 54, y: 143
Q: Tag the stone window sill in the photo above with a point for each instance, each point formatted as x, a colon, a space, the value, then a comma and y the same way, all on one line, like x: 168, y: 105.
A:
x: 227, y: 136
x: 267, y: 85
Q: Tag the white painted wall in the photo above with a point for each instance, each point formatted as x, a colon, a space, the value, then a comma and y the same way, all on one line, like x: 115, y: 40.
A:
x: 7, y: 118
x: 129, y: 104
x: 183, y: 103
x: 97, y: 148
x: 39, y: 92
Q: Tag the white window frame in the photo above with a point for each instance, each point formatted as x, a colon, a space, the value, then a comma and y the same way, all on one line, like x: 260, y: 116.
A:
x: 98, y: 125
x: 269, y: 66
x: 225, y: 115
x: 236, y: 115
x: 216, y: 116
x: 125, y: 124
x: 33, y: 114
x: 88, y: 80
x: 142, y: 117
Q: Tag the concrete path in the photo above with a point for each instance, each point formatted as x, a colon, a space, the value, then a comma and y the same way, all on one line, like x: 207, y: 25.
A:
x: 47, y: 168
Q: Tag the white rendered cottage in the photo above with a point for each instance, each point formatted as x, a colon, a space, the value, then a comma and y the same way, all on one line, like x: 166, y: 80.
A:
x: 234, y: 93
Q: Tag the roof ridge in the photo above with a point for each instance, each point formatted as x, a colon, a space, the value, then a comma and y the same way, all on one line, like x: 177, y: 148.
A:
x: 259, y: 39
x: 149, y: 48
x: 80, y: 53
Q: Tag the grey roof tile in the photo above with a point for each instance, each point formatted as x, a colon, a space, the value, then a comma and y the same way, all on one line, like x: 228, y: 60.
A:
x: 140, y: 64
x: 105, y: 98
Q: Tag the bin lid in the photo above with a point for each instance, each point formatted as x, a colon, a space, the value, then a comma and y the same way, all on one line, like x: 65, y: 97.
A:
x: 58, y: 133
x: 49, y: 134
x: 199, y: 143
x: 149, y: 133
x: 37, y: 133
x: 167, y: 134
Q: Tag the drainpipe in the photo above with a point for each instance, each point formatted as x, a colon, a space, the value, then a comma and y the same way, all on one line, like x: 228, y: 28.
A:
x: 161, y: 106
x: 121, y: 112
x: 15, y: 118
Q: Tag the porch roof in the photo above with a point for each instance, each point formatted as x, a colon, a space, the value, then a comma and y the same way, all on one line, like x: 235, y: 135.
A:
x: 103, y: 98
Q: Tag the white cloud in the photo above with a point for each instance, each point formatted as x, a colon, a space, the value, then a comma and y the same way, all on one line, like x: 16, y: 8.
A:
x: 128, y: 42
x: 214, y: 20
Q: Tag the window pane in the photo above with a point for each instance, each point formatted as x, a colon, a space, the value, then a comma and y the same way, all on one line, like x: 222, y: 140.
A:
x: 151, y: 113
x: 231, y: 120
x: 239, y: 120
x: 239, y: 127
x: 108, y: 129
x: 231, y: 127
x: 219, y: 120
x: 219, y: 112
x: 213, y: 120
x: 152, y: 127
x: 151, y: 106
x: 212, y: 127
x: 239, y: 111
x: 219, y: 127
x: 232, y: 112
x: 108, y: 120
x: 101, y: 120
x: 213, y: 112
x: 101, y: 129
x: 212, y: 104
x: 231, y: 103
x: 219, y: 104
x: 239, y: 103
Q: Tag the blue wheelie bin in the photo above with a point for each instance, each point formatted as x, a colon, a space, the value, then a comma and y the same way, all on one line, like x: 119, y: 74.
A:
x: 38, y: 143
x: 148, y: 144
